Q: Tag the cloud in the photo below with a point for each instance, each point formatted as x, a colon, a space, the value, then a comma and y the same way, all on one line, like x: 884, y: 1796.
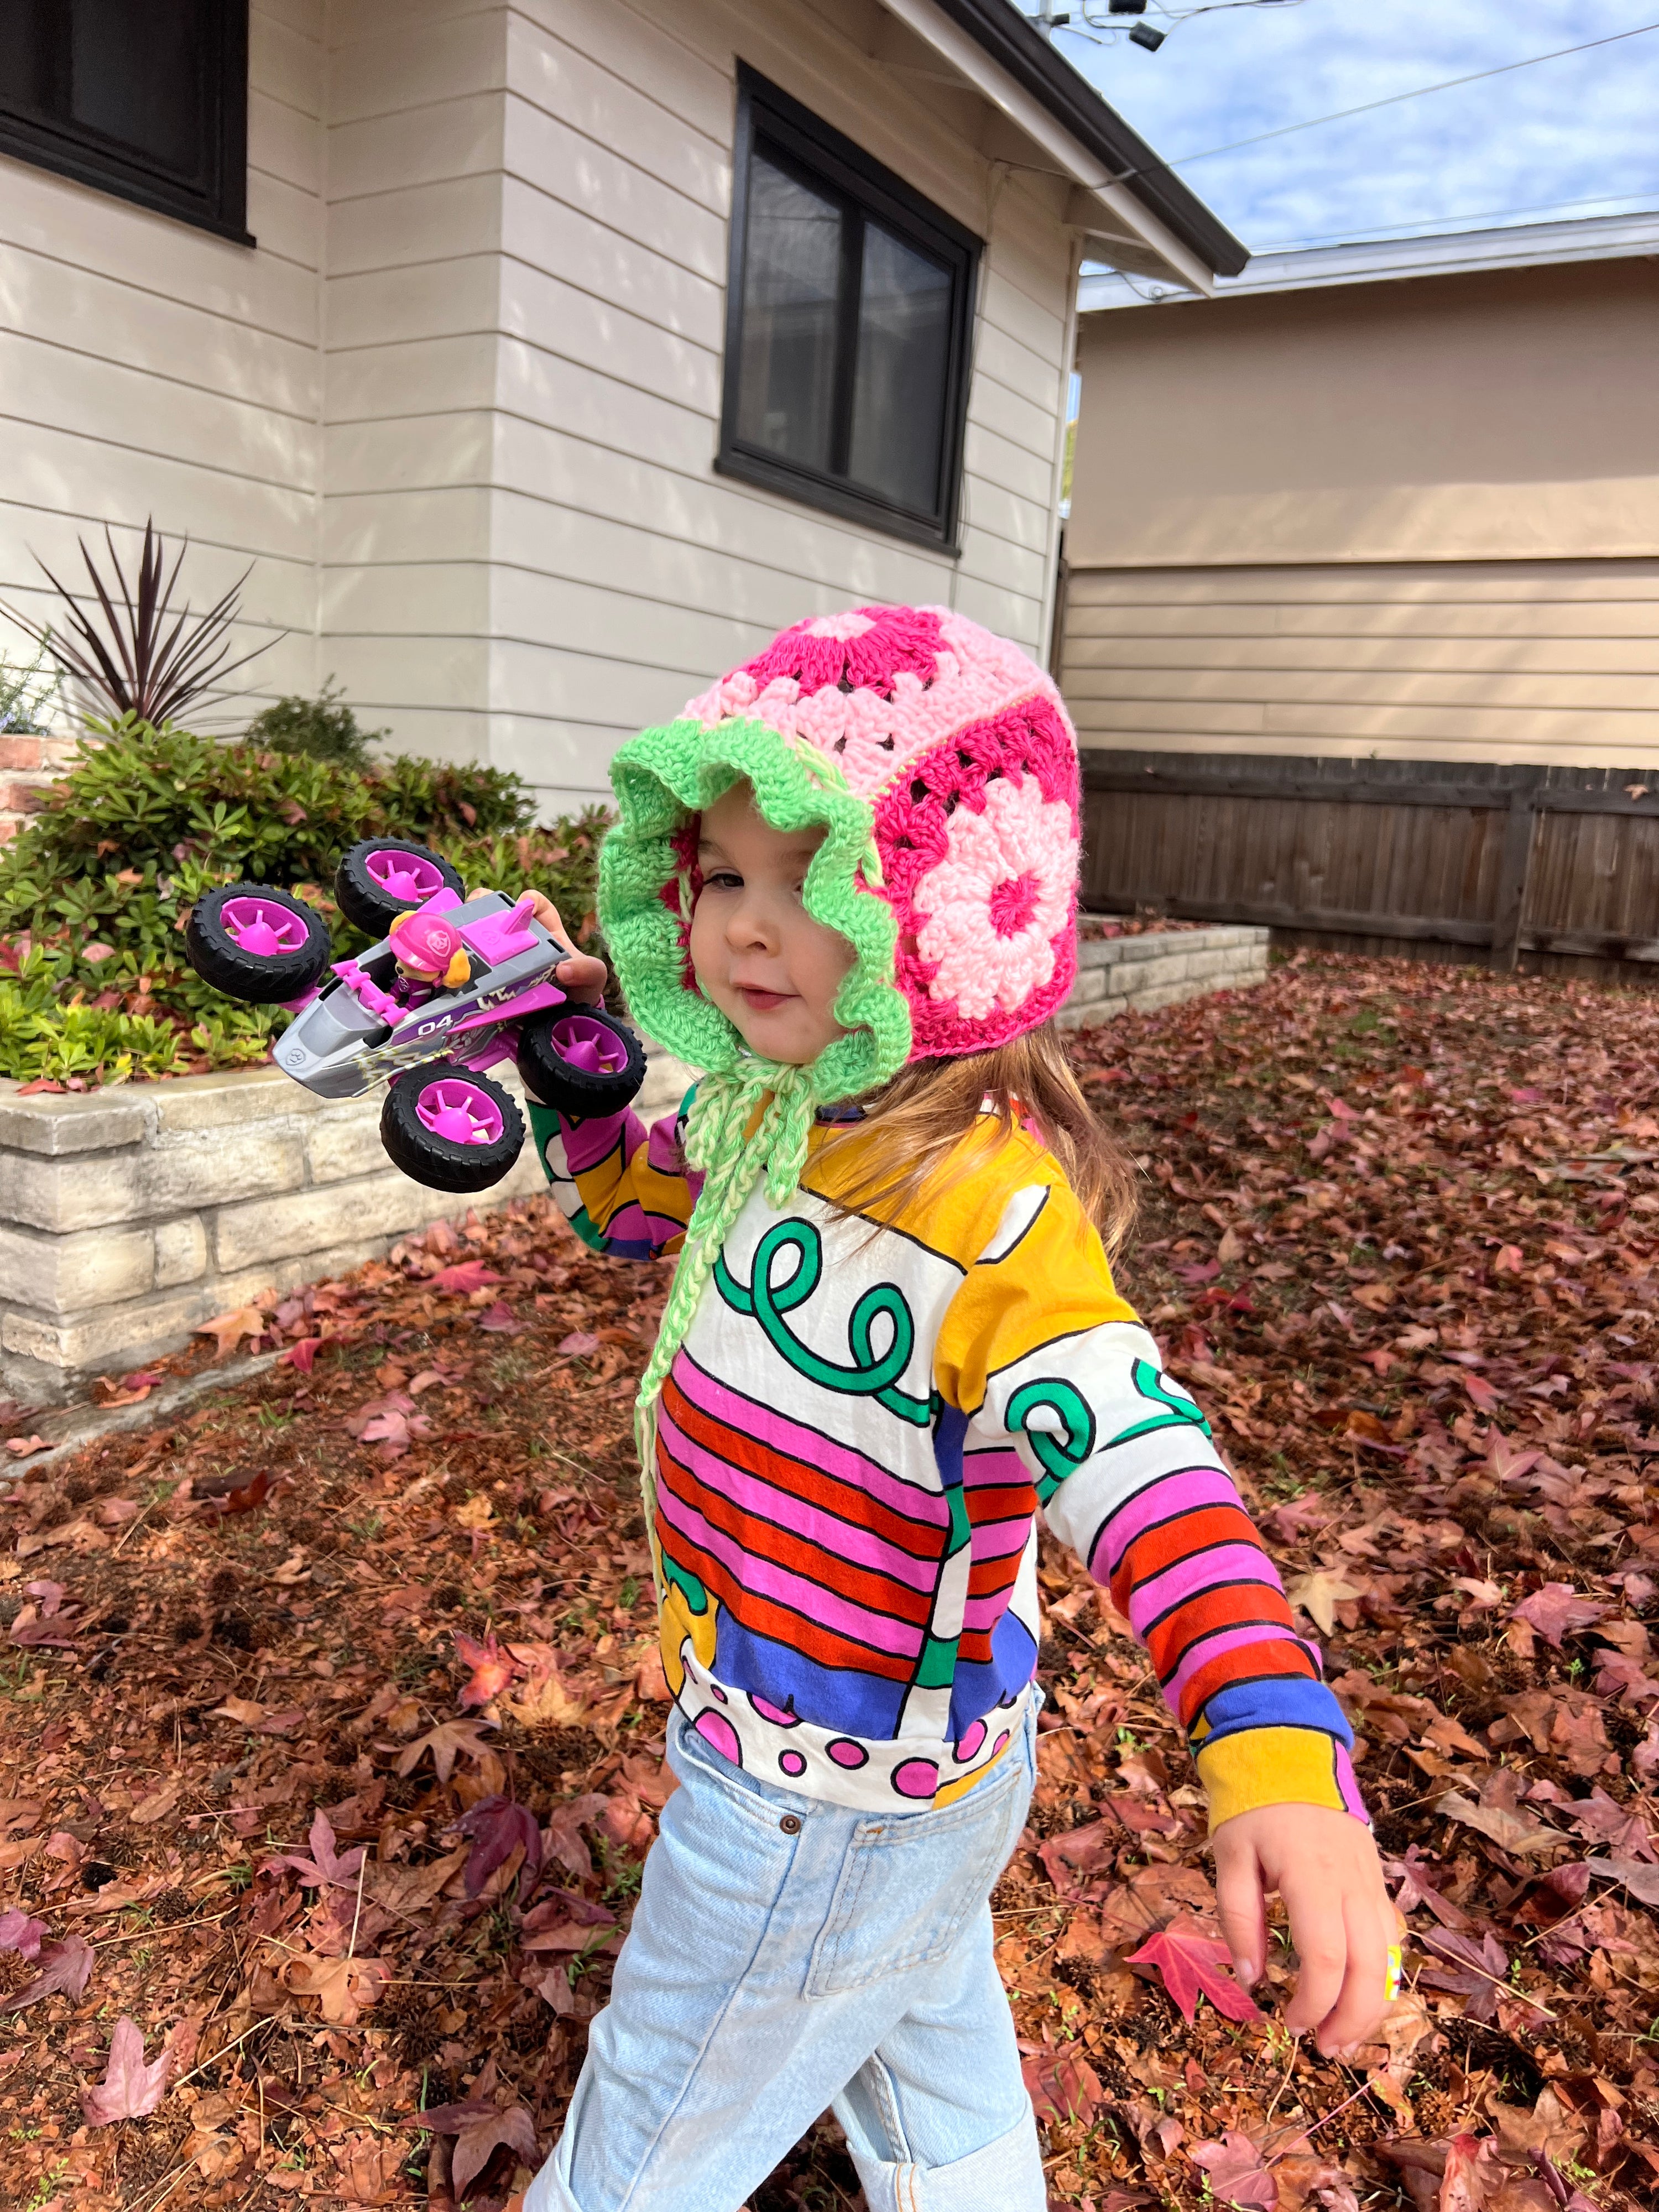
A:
x: 1574, y: 137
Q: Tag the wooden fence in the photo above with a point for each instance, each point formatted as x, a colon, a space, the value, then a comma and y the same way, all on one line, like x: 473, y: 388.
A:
x: 1537, y: 867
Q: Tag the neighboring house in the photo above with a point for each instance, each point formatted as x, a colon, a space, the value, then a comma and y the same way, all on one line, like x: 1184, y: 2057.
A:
x: 1362, y: 607
x: 544, y: 358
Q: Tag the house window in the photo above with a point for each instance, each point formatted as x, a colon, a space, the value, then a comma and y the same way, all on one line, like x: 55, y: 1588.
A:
x: 848, y: 315
x: 146, y: 99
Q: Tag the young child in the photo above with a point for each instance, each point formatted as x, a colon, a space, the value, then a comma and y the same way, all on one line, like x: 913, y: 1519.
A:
x: 844, y: 882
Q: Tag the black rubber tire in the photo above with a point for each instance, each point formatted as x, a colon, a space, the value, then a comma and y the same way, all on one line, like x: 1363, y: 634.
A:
x: 577, y: 1091
x: 363, y: 901
x: 260, y: 980
x: 440, y: 1162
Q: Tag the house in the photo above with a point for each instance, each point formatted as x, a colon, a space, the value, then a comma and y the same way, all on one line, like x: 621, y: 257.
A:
x: 543, y: 358
x: 1362, y: 608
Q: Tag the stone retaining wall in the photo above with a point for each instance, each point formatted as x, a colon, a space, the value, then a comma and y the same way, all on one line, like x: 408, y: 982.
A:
x: 128, y: 1216
x: 1115, y: 974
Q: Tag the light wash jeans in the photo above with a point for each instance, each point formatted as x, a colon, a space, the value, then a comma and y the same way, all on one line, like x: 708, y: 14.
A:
x: 787, y: 1954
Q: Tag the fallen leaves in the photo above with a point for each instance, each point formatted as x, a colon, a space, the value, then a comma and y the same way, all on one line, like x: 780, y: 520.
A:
x: 1451, y: 1454
x: 65, y: 1970
x: 1192, y: 1964
x: 130, y: 2090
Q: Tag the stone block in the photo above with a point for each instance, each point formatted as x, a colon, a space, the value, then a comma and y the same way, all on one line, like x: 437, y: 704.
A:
x: 66, y: 1274
x: 181, y: 1253
x: 66, y: 1193
x: 55, y: 1126
x: 1165, y: 994
x: 300, y: 1221
x: 228, y: 1101
x: 1091, y: 984
x: 214, y: 1166
x: 136, y: 1328
x: 346, y: 1141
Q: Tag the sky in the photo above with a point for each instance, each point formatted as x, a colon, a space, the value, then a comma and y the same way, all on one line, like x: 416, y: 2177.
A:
x: 1575, y: 136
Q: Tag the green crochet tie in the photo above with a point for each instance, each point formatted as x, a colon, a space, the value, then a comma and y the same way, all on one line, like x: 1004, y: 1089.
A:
x: 732, y: 1161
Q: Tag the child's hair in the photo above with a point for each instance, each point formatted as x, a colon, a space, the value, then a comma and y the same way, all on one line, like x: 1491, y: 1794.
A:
x: 911, y: 1137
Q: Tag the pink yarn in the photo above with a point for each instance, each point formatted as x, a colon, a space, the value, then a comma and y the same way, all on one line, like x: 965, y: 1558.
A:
x: 963, y: 747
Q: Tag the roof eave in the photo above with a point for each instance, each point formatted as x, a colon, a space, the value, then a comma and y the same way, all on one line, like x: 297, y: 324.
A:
x: 1010, y: 41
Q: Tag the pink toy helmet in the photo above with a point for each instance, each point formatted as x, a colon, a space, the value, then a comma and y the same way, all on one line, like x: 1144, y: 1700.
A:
x: 431, y: 946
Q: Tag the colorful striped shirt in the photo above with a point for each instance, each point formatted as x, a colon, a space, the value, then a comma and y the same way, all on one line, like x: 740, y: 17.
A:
x: 851, y: 1447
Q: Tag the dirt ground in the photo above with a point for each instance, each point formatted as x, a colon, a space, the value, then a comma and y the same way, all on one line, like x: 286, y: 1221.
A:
x: 331, y: 1727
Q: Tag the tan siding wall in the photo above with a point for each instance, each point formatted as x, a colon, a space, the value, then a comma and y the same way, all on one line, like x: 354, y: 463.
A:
x: 1541, y: 662
x: 147, y: 367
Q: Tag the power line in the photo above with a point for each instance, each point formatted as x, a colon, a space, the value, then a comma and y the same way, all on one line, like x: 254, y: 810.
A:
x: 1394, y: 99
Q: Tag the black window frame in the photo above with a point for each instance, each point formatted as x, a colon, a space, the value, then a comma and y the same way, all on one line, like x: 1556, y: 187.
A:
x: 868, y: 188
x: 74, y: 150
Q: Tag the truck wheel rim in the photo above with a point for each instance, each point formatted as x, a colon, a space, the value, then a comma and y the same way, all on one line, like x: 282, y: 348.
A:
x: 404, y: 876
x: 592, y: 1047
x: 461, y: 1112
x: 263, y: 928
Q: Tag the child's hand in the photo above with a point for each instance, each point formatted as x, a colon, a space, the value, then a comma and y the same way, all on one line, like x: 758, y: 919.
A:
x: 581, y: 977
x: 1324, y: 1865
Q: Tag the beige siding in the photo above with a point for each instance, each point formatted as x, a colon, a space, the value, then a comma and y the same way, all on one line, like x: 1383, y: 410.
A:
x: 147, y: 368
x: 1544, y: 662
x: 626, y: 569
x: 461, y: 404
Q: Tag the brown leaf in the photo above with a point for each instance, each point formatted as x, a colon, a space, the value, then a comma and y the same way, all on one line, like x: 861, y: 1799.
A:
x: 129, y: 2090
x: 1512, y: 1831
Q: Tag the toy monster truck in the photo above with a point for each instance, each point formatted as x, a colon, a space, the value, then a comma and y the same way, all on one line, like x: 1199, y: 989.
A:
x: 454, y: 986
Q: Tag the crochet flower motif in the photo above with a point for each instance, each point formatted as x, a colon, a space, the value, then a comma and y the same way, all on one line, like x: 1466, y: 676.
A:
x: 996, y: 902
x: 866, y: 649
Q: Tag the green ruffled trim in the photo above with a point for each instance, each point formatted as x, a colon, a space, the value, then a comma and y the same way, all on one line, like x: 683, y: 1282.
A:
x: 661, y: 777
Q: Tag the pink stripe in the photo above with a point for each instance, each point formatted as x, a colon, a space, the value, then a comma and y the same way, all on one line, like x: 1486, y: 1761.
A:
x: 1186, y: 1492
x: 839, y: 1540
x: 587, y: 1143
x: 982, y: 1614
x: 928, y: 1509
x: 994, y: 1467
x: 1211, y: 1647
x: 1190, y: 1579
x: 1001, y: 1540
x: 767, y: 1580
x: 1347, y: 1783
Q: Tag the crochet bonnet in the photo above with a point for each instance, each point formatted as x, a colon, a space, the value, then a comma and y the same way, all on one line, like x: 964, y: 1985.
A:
x: 940, y: 763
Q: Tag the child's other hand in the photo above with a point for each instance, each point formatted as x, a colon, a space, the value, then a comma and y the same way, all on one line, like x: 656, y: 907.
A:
x: 1324, y: 1865
x: 582, y: 977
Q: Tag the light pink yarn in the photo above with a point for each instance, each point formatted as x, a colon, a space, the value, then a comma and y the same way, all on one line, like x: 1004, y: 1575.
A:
x: 962, y: 746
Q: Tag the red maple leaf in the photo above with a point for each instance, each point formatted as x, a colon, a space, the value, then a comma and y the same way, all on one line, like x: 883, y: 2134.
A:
x: 492, y: 1668
x: 65, y: 1970
x: 129, y: 2090
x: 1191, y: 1965
x: 326, y: 1868
x: 496, y: 1826
x: 1237, y: 2173
x: 464, y: 1278
x: 1556, y: 1608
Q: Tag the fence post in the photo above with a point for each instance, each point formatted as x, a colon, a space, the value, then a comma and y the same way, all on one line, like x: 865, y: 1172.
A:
x: 1509, y: 906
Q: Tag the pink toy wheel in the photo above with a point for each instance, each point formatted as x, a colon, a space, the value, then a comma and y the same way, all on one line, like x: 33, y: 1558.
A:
x: 580, y: 1061
x: 450, y: 1127
x: 381, y: 878
x: 256, y: 944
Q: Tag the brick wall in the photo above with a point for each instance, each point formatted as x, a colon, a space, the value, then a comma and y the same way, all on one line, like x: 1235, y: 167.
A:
x: 1117, y: 973
x: 27, y: 765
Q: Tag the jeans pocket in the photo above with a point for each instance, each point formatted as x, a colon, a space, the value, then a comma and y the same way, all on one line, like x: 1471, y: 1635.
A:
x: 910, y: 1880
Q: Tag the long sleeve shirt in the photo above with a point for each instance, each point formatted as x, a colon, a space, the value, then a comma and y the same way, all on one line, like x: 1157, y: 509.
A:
x: 852, y: 1446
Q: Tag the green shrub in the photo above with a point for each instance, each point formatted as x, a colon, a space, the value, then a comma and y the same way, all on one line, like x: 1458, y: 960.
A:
x: 26, y: 692
x: 323, y: 728
x: 94, y: 987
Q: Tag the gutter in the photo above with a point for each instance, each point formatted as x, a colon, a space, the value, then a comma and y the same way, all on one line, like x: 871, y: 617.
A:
x: 1008, y: 38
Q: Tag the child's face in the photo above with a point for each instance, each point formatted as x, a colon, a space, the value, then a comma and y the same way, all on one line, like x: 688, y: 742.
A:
x: 757, y: 953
